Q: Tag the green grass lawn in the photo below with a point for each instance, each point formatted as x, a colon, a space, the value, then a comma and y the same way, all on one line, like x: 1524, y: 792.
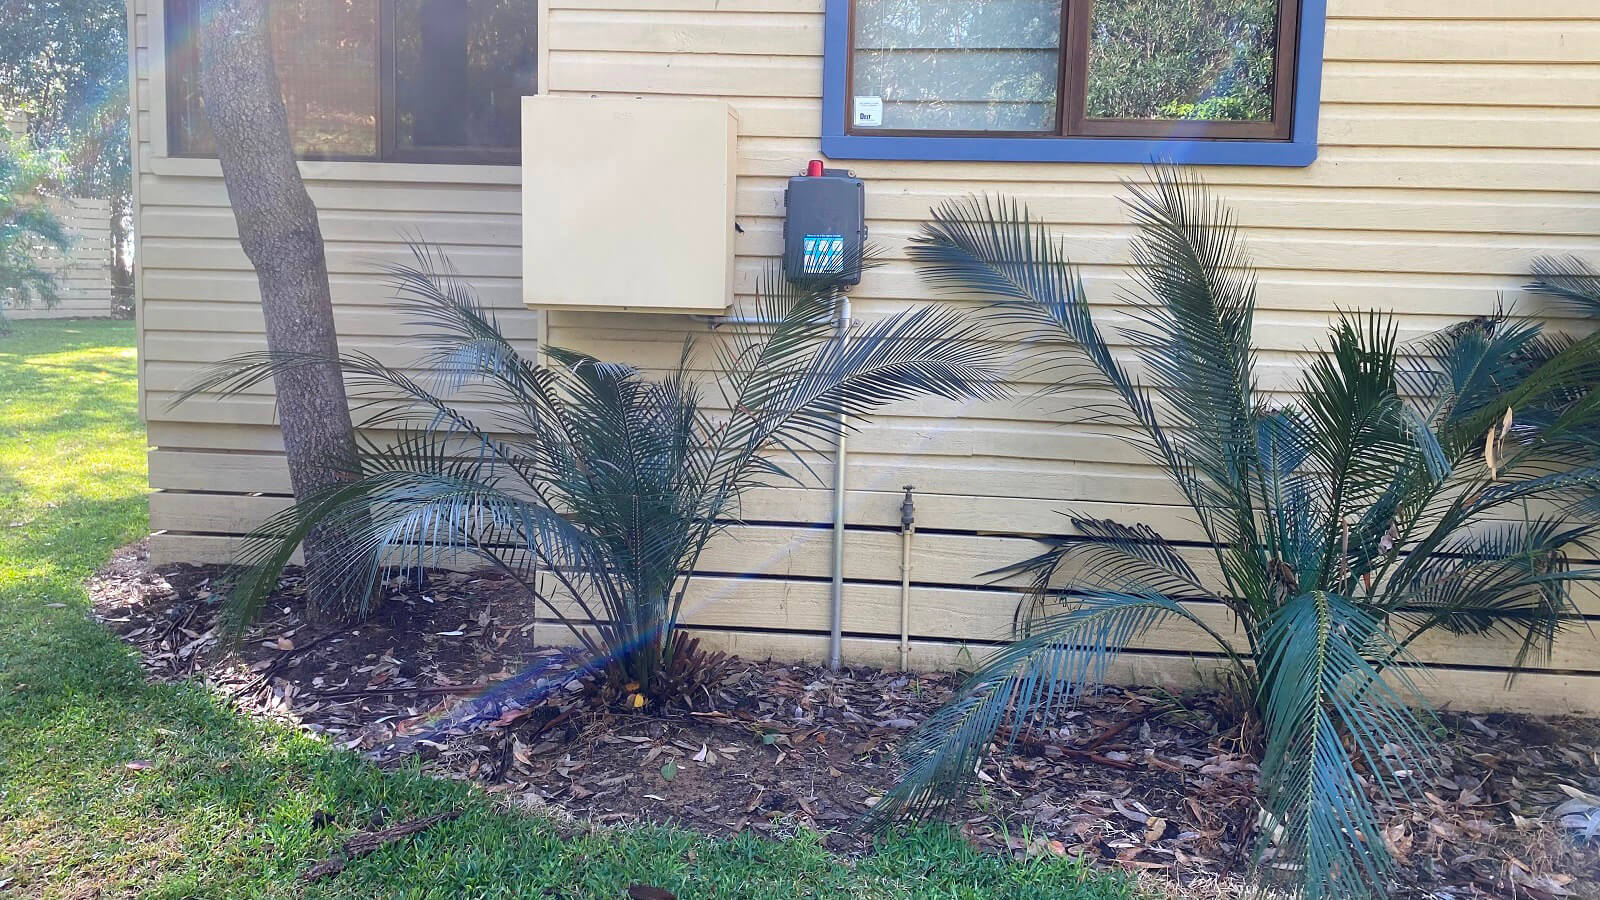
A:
x: 224, y: 809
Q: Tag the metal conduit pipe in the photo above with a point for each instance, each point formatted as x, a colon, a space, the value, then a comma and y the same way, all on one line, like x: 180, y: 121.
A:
x: 841, y: 458
x: 716, y: 321
x: 908, y: 527
x: 836, y: 604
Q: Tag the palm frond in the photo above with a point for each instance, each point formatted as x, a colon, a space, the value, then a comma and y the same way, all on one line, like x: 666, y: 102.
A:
x: 1062, y: 656
x: 1570, y: 280
x: 994, y: 248
x: 1459, y: 370
x: 403, y: 518
x: 1332, y: 717
x: 982, y: 246
x: 1511, y: 581
x: 1102, y: 556
x: 463, y: 340
x: 1195, y: 312
x: 920, y: 352
x: 1364, y: 443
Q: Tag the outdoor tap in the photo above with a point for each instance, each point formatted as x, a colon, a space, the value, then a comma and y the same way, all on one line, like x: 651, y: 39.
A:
x: 908, y: 509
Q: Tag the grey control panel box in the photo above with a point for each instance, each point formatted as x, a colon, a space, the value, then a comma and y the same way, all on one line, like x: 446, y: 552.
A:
x: 825, y: 226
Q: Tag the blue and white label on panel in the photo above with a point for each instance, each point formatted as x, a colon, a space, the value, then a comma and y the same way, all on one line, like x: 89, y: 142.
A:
x: 824, y: 254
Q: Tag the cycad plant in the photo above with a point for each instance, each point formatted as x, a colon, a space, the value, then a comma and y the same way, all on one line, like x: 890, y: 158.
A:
x: 1547, y: 376
x: 1563, y: 367
x: 592, y: 485
x: 1571, y: 280
x: 1339, y: 523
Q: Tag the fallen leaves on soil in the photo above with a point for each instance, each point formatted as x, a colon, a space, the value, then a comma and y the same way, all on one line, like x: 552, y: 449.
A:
x: 458, y: 672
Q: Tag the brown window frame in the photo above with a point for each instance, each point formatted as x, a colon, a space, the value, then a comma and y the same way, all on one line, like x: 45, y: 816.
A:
x: 182, y: 14
x: 1073, y: 69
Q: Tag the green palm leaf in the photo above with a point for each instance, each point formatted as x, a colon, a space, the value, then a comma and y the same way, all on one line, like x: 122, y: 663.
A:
x: 1061, y: 656
x: 587, y: 481
x: 1511, y: 581
x: 988, y: 247
x: 1570, y: 280
x: 1333, y: 717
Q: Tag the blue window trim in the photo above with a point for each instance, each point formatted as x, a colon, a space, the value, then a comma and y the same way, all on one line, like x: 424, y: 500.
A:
x: 1301, y: 150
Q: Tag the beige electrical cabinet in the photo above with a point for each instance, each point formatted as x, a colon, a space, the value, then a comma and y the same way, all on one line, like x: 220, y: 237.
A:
x: 627, y: 204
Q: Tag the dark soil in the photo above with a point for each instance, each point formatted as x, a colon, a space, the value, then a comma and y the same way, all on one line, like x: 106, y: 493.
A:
x: 459, y: 671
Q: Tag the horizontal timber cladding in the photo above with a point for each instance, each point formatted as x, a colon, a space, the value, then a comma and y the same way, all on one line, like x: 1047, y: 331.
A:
x: 1459, y: 141
x: 82, y: 271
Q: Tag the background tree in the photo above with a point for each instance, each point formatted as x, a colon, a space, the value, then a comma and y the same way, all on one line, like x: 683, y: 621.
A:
x: 27, y: 226
x: 1183, y: 59
x: 64, y: 63
x: 279, y: 231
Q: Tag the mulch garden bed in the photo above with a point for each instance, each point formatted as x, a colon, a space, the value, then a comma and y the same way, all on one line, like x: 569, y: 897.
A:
x: 451, y: 672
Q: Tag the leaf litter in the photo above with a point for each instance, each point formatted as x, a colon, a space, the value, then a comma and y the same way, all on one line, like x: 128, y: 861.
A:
x: 458, y: 672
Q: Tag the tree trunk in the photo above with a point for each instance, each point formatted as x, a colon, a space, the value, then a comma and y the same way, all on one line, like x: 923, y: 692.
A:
x: 121, y: 266
x: 441, y: 117
x: 280, y: 234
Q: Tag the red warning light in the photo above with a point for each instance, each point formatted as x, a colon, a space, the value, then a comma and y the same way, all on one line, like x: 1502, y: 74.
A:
x: 814, y: 169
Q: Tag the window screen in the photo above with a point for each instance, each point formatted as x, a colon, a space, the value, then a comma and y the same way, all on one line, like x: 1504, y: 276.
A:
x: 950, y: 65
x: 1093, y: 68
x: 1182, y: 59
x: 325, y: 55
x: 413, y: 80
x: 461, y: 68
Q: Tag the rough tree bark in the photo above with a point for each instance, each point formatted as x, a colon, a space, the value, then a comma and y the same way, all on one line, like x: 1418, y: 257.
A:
x: 121, y: 266
x: 280, y: 233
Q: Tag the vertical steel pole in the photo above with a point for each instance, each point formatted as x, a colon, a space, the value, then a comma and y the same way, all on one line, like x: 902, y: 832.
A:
x: 836, y: 634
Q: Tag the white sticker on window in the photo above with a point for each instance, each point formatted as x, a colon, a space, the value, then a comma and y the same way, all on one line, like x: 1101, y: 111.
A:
x: 868, y: 112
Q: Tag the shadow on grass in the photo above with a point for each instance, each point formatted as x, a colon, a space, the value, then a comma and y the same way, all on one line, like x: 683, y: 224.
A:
x: 73, y: 536
x: 31, y: 337
x: 61, y: 396
x: 66, y: 420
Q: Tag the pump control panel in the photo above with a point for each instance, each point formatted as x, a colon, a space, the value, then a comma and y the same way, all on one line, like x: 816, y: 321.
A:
x: 825, y: 226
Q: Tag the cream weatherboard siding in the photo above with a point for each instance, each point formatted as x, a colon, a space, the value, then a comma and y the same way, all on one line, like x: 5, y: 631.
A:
x: 1459, y: 140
